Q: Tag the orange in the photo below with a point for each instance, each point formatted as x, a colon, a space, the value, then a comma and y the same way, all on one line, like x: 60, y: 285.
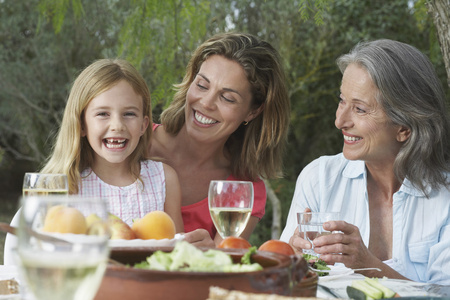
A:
x: 234, y: 242
x: 277, y: 246
x: 64, y: 219
x: 154, y: 225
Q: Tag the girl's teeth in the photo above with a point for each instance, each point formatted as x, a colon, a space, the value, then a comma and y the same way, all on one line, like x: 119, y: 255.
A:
x: 203, y: 119
x: 114, y: 143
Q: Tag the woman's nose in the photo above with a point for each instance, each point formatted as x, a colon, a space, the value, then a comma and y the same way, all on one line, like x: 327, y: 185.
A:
x: 343, y: 118
x: 208, y: 101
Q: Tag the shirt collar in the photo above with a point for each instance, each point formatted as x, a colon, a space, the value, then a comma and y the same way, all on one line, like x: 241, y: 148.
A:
x: 408, y: 188
x: 356, y: 168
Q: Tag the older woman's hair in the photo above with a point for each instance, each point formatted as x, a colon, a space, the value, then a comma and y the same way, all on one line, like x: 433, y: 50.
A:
x: 256, y: 149
x: 72, y: 152
x: 412, y: 96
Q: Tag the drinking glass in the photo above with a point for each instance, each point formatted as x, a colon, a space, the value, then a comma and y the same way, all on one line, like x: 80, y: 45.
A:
x: 310, y: 226
x: 230, y: 205
x: 56, y: 265
x: 34, y: 184
x: 45, y: 184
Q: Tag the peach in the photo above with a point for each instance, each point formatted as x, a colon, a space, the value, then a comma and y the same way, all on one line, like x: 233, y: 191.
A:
x: 119, y: 229
x: 154, y: 225
x: 65, y: 219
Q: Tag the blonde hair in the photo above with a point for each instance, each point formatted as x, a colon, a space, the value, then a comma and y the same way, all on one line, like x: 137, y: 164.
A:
x: 72, y: 152
x: 256, y: 149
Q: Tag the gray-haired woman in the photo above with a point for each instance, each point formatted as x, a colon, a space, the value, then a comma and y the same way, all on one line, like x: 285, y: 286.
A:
x: 391, y: 182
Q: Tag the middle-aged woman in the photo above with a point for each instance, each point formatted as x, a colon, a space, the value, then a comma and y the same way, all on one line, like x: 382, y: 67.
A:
x: 228, y: 120
x: 391, y: 183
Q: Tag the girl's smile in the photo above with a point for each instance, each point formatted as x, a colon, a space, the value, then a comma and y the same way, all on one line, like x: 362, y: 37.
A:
x: 114, y: 123
x: 115, y: 143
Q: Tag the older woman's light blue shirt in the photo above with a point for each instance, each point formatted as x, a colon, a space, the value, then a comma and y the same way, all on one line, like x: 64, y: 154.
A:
x: 421, y: 226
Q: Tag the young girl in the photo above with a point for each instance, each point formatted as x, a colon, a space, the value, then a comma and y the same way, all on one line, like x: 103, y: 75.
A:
x: 102, y: 144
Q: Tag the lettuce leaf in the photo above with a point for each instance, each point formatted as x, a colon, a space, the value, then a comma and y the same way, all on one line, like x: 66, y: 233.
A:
x: 187, y: 257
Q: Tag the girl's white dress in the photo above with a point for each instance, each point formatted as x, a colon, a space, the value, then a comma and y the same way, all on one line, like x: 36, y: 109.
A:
x: 129, y: 202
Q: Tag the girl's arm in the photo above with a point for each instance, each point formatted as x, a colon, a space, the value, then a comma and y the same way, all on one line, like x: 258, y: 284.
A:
x: 172, y: 205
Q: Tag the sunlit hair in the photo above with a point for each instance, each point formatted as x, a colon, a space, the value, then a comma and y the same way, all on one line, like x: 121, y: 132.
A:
x: 412, y: 96
x: 72, y: 152
x: 256, y: 149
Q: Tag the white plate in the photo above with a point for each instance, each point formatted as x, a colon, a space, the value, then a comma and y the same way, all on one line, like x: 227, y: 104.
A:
x: 337, y: 271
x: 146, y: 243
x: 404, y: 288
x: 74, y: 238
x: 11, y: 297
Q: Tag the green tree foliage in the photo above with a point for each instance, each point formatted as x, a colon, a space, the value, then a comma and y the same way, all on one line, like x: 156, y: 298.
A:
x: 56, y: 11
x: 158, y: 37
x: 37, y: 69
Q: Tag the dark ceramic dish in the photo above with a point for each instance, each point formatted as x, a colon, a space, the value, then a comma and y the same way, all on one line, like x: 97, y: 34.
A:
x: 125, y: 283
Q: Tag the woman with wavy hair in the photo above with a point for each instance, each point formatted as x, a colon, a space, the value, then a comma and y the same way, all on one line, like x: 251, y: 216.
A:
x: 229, y: 120
x: 391, y: 181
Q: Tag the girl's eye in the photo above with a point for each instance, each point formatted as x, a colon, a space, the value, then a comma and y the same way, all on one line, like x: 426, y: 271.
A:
x: 102, y: 114
x: 130, y: 114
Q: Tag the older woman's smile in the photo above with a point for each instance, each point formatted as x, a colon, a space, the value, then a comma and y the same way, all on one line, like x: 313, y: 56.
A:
x: 351, y: 138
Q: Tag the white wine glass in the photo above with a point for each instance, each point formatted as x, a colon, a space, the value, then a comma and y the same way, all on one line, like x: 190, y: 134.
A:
x: 230, y: 205
x: 45, y: 184
x: 34, y: 184
x: 62, y: 249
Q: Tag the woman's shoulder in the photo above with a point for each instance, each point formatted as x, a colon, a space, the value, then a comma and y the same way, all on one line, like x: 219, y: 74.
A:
x: 159, y: 141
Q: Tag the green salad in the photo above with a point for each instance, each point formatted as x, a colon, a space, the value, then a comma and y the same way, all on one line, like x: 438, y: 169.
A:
x: 186, y: 257
x: 316, y: 263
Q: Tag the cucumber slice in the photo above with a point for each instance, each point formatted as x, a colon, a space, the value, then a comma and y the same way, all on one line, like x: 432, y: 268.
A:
x: 387, y: 292
x: 354, y: 293
x: 367, y: 289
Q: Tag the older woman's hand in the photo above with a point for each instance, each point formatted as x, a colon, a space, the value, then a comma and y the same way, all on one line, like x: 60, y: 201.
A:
x: 200, y: 238
x: 345, y: 247
x: 299, y: 243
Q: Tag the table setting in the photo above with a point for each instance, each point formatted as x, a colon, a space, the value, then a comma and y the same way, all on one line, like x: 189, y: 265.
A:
x: 85, y: 264
x: 327, y: 288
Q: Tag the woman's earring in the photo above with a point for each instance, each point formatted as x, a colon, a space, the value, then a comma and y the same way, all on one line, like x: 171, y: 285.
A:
x: 245, y: 123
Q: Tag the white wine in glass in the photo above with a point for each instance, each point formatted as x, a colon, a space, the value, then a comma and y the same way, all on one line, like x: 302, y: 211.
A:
x: 230, y: 205
x: 62, y: 266
x: 45, y: 184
